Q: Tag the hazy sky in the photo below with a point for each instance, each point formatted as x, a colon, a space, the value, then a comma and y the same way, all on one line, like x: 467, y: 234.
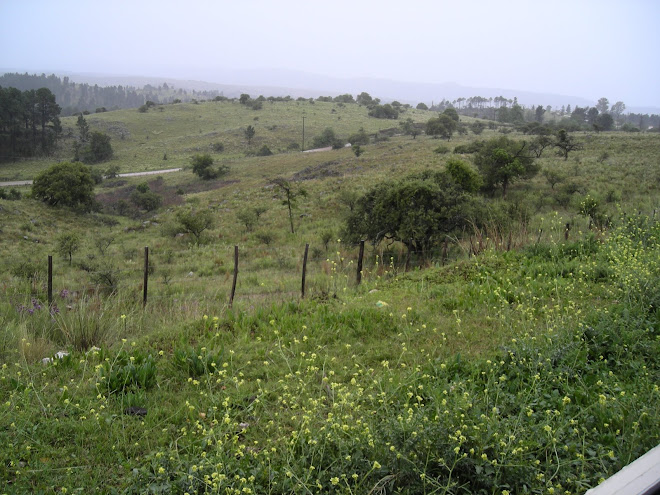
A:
x: 588, y: 48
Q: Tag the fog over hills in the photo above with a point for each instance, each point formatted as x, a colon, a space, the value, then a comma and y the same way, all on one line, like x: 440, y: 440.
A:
x: 282, y: 82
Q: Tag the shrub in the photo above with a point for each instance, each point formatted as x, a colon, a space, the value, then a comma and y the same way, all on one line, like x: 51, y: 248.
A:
x: 218, y: 147
x: 466, y: 149
x: 195, y: 222
x: 67, y: 244
x: 359, y: 138
x: 112, y: 172
x: 442, y: 150
x: 97, y: 175
x: 146, y: 199
x: 416, y: 211
x: 477, y: 127
x: 203, y: 167
x: 127, y: 372
x: 503, y: 161
x: 266, y: 238
x: 13, y: 194
x: 629, y: 128
x: 102, y: 273
x: 326, y: 237
x: 197, y: 362
x: 591, y: 208
x: 264, y: 151
x: 348, y: 197
x: 65, y: 184
x: 327, y: 138
x: 463, y: 175
x: 443, y: 126
x: 27, y: 270
x: 247, y: 218
x: 386, y: 111
x: 98, y: 149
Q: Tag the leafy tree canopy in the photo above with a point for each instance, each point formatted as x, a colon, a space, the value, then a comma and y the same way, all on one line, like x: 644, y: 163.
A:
x: 98, y: 149
x: 502, y: 161
x: 416, y: 211
x: 443, y: 126
x: 195, y: 222
x: 328, y: 138
x: 203, y: 167
x: 386, y: 111
x: 65, y: 184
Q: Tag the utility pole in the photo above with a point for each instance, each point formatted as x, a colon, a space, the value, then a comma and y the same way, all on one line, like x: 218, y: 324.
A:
x: 303, y: 137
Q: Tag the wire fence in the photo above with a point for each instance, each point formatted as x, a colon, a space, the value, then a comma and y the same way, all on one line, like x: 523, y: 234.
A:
x: 144, y: 283
x: 260, y: 273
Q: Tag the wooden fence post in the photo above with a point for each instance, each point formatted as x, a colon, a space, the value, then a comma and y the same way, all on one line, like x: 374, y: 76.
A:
x: 146, y: 276
x: 304, y: 271
x: 233, y: 285
x: 359, y: 263
x: 50, y: 280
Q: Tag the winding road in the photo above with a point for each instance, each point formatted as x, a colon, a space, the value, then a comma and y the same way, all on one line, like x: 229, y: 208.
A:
x: 131, y: 174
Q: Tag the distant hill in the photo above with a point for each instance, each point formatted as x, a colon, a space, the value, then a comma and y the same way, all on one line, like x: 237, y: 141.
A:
x: 74, y: 94
x: 282, y: 82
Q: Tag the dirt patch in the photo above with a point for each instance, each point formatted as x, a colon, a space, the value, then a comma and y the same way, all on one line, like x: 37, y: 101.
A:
x: 207, y: 185
x: 320, y: 171
x: 172, y: 195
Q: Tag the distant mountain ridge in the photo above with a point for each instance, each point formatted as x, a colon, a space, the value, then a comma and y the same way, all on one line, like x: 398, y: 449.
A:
x: 282, y: 82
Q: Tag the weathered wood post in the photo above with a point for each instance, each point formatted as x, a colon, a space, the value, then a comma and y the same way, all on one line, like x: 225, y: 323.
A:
x: 567, y: 229
x: 50, y: 280
x: 304, y: 271
x: 146, y: 276
x: 233, y: 285
x: 359, y: 263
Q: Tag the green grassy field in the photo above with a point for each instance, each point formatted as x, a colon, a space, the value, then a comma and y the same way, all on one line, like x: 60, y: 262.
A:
x: 529, y: 370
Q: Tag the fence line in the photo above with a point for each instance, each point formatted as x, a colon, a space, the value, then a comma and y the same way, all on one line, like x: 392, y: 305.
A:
x: 145, y: 283
x: 470, y: 246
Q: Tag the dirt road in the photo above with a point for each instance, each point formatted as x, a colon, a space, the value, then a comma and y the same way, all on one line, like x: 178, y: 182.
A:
x: 131, y: 174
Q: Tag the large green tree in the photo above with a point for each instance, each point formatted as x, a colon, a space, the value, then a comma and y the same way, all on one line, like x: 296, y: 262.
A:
x: 386, y: 111
x: 365, y: 99
x: 98, y: 149
x: 617, y: 109
x: 443, y: 126
x: 83, y: 128
x: 203, y: 166
x: 603, y: 105
x: 48, y: 113
x: 29, y: 122
x: 417, y: 211
x: 65, y: 184
x: 503, y: 161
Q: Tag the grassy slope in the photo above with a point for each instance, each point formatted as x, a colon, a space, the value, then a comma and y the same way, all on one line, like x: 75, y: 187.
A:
x: 183, y: 129
x: 290, y: 368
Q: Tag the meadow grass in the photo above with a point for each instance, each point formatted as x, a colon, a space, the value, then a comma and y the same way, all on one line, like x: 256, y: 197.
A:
x: 530, y: 367
x: 530, y: 371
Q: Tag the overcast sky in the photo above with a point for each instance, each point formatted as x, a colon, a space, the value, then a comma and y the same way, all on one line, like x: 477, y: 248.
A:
x: 588, y: 48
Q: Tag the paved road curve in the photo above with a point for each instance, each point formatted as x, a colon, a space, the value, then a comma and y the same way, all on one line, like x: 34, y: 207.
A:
x: 132, y: 174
